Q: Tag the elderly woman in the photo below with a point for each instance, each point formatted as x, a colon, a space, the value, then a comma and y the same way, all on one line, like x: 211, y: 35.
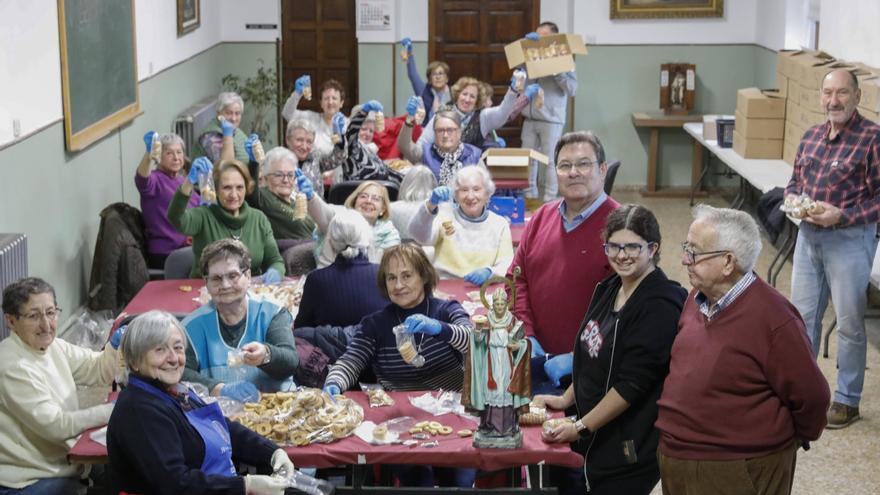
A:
x: 40, y: 417
x: 636, y: 312
x: 470, y: 242
x: 232, y: 320
x: 332, y: 95
x: 156, y: 189
x: 300, y: 139
x: 231, y: 217
x: 164, y: 439
x: 443, y: 156
x: 435, y: 94
x: 222, y: 138
x: 350, y: 282
x: 370, y: 199
x: 357, y: 151
x: 415, y: 188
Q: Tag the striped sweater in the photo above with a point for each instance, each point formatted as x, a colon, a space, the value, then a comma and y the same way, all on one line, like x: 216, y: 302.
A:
x: 374, y: 345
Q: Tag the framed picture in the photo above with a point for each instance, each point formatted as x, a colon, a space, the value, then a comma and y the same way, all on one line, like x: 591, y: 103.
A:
x: 188, y: 16
x: 665, y: 9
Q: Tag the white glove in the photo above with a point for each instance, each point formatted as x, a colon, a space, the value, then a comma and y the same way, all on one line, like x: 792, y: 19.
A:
x: 258, y: 484
x: 281, y: 462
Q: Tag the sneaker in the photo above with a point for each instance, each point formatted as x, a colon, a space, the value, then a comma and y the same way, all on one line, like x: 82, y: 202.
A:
x: 841, y: 416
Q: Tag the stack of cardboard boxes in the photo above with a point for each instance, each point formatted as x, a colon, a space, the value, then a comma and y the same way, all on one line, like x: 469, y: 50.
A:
x: 760, y: 123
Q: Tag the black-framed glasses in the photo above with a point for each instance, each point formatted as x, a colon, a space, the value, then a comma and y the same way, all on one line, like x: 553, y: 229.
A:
x: 630, y: 249
x: 281, y: 175
x: 36, y: 316
x: 232, y: 277
x: 690, y: 256
x: 582, y: 166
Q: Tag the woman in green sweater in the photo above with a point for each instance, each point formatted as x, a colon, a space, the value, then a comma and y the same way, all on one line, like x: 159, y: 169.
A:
x: 230, y: 217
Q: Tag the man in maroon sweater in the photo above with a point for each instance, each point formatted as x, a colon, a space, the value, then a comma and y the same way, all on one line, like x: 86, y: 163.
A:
x: 743, y: 390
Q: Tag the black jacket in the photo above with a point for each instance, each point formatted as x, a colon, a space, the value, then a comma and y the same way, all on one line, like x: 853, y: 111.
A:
x: 119, y: 269
x: 646, y: 327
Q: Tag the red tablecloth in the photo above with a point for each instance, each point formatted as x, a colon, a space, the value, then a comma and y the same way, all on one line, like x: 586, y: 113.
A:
x: 452, y: 450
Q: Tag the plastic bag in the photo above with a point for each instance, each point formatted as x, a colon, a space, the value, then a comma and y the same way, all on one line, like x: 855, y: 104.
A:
x: 206, y: 188
x: 420, y: 111
x: 385, y: 433
x: 377, y: 395
x: 88, y: 328
x: 407, y: 347
x: 305, y: 483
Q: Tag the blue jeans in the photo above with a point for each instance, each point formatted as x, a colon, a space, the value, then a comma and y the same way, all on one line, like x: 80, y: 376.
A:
x: 46, y: 486
x: 836, y: 263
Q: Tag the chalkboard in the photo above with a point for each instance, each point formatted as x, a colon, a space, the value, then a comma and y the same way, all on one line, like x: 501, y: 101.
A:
x: 98, y: 68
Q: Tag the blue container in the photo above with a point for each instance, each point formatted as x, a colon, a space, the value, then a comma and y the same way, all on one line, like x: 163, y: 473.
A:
x: 511, y: 208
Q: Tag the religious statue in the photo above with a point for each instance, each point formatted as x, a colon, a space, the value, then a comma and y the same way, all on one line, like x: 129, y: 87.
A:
x: 677, y: 92
x: 497, y: 378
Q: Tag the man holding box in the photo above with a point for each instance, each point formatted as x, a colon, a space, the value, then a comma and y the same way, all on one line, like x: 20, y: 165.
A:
x: 837, y: 166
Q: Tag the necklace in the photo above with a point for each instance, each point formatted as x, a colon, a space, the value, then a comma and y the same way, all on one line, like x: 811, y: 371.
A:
x: 421, y: 335
x: 235, y: 234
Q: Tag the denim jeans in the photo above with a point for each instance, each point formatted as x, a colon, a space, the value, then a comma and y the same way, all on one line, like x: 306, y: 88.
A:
x: 836, y: 263
x: 47, y: 486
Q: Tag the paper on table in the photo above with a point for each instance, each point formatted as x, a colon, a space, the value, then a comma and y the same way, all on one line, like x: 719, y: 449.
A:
x: 100, y: 436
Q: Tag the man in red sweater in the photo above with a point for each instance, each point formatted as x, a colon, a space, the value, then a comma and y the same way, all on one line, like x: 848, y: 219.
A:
x: 743, y: 390
x: 561, y: 253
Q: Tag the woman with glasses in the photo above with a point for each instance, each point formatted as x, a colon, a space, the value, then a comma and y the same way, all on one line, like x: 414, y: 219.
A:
x: 435, y: 94
x: 229, y: 218
x: 444, y: 155
x: 332, y: 97
x: 621, y: 357
x: 40, y: 417
x: 239, y: 345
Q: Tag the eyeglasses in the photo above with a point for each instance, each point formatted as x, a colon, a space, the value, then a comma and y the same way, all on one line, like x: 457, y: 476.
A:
x: 35, y: 317
x: 690, y: 256
x: 281, y: 175
x: 630, y: 249
x: 446, y: 130
x: 232, y: 277
x: 374, y: 198
x: 582, y: 166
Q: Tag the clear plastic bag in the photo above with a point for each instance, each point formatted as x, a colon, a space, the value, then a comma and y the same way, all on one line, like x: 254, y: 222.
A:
x: 88, y: 328
x: 305, y: 483
x: 206, y: 188
x: 156, y: 148
x: 377, y: 395
x: 420, y: 111
x: 406, y: 345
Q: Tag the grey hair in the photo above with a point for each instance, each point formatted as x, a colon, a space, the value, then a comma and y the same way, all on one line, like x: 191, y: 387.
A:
x: 299, y: 124
x: 417, y: 184
x: 447, y: 114
x: 171, y: 139
x: 580, y: 137
x: 148, y: 331
x: 480, y: 170
x: 228, y: 98
x: 275, y: 155
x: 349, y: 234
x: 735, y: 231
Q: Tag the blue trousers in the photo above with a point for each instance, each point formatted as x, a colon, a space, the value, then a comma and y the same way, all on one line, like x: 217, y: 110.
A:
x: 47, y: 486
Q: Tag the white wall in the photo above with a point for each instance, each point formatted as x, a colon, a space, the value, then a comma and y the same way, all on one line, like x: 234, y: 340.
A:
x: 848, y: 29
x: 158, y: 46
x: 770, y: 24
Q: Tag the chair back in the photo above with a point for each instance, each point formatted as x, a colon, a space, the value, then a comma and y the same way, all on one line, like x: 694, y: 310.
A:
x: 179, y: 263
x: 340, y: 191
x: 613, y: 165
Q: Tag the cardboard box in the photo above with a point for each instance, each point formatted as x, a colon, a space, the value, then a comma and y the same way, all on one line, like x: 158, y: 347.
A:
x: 710, y: 132
x: 808, y: 62
x: 535, y: 54
x: 794, y: 132
x: 767, y: 149
x: 813, y: 75
x: 872, y: 116
x: 810, y: 99
x: 760, y: 104
x: 782, y: 84
x: 870, y: 95
x: 794, y: 93
x: 511, y: 208
x: 806, y: 118
x: 511, y: 163
x: 760, y: 128
x: 787, y: 62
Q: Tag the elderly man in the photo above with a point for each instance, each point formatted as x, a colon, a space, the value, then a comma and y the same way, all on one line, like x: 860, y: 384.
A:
x: 743, y: 390
x: 543, y: 125
x: 838, y: 166
x: 447, y: 153
x: 561, y: 253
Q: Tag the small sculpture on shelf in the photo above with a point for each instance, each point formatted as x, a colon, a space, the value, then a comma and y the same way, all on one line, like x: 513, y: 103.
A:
x: 497, y: 378
x: 677, y: 88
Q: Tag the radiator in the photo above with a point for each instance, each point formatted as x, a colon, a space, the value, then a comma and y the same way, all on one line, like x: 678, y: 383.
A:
x: 194, y: 119
x: 13, y: 266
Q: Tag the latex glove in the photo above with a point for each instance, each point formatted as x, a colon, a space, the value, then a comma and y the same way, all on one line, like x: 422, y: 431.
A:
x: 281, y: 462
x: 148, y: 140
x: 407, y: 43
x: 441, y: 194
x: 537, y: 350
x: 249, y: 146
x: 116, y: 338
x: 501, y: 142
x: 518, y: 73
x: 478, y: 276
x: 558, y: 366
x: 301, y: 84
x: 372, y: 106
x: 422, y: 324
x: 260, y: 484
x: 242, y: 391
x: 332, y: 389
x: 338, y: 123
x: 201, y: 165
x: 304, y: 185
x: 532, y: 36
x: 412, y: 105
x: 532, y: 90
x: 227, y: 128
x: 271, y: 276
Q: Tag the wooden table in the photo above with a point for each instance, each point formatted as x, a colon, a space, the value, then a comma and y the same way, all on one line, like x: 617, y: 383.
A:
x: 656, y: 121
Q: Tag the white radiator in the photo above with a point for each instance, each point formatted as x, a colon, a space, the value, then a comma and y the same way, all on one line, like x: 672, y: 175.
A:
x: 13, y: 266
x: 194, y: 119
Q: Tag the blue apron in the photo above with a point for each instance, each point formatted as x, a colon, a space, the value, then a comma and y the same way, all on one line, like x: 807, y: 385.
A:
x: 209, y: 422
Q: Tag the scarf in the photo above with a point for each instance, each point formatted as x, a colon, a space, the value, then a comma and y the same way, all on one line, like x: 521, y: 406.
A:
x: 451, y: 163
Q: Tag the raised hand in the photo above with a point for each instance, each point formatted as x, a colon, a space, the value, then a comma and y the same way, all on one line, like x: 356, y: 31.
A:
x: 372, y: 106
x: 407, y: 43
x: 148, y: 140
x: 304, y: 185
x: 227, y: 128
x: 412, y: 105
x: 440, y: 194
x: 249, y: 146
x: 338, y: 123
x: 532, y: 36
x: 301, y: 83
x: 201, y: 166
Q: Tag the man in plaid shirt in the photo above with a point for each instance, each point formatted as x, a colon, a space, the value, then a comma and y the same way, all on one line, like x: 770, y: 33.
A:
x: 838, y: 166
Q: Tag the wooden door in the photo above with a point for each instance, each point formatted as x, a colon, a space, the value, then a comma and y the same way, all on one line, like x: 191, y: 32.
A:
x: 470, y: 37
x: 319, y: 38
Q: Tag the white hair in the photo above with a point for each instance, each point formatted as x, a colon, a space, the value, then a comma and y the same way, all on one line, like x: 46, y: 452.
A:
x: 417, y: 184
x: 349, y: 234
x: 735, y: 231
x: 299, y: 124
x: 171, y: 139
x: 228, y: 98
x: 276, y: 155
x: 148, y: 331
x: 470, y: 170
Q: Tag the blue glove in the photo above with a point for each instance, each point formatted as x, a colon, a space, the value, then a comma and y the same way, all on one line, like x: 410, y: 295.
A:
x: 532, y: 90
x: 533, y: 36
x: 301, y: 84
x: 558, y: 366
x: 372, y: 106
x: 116, y: 338
x: 407, y: 43
x: 201, y: 165
x: 148, y: 140
x: 501, y: 142
x: 513, y: 77
x: 479, y: 276
x: 304, y: 185
x: 412, y: 105
x: 227, y: 127
x: 338, y: 123
x: 242, y: 391
x: 271, y: 276
x: 440, y: 194
x: 537, y: 350
x: 249, y: 146
x: 422, y: 324
x: 332, y: 389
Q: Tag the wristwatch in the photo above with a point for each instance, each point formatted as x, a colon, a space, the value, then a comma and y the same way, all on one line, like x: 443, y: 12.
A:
x: 268, y: 355
x: 582, y: 428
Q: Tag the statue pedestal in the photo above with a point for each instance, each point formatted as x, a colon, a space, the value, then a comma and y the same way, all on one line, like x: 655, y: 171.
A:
x: 482, y: 441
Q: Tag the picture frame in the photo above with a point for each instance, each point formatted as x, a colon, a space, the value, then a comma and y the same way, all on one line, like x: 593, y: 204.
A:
x: 189, y: 16
x: 665, y: 9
